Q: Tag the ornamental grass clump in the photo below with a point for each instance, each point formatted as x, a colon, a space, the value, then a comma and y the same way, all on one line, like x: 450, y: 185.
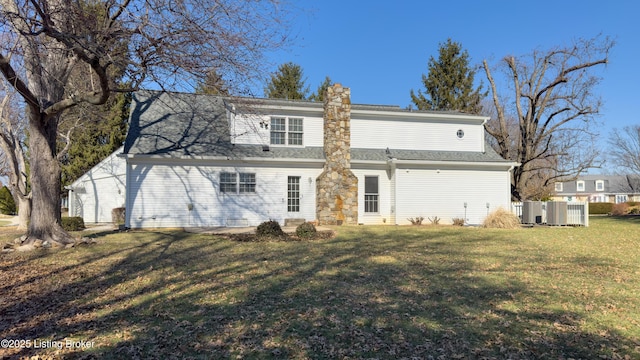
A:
x: 501, y: 219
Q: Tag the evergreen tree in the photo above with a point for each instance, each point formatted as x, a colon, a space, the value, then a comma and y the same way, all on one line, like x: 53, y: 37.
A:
x: 7, y: 205
x: 287, y: 83
x: 213, y: 84
x: 322, y: 88
x: 102, y: 131
x: 449, y: 84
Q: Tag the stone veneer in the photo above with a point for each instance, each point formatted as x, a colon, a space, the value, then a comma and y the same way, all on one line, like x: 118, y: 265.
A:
x: 337, y: 187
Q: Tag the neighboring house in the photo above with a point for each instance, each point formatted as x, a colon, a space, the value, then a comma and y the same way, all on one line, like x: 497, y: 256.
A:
x: 93, y: 195
x: 600, y: 188
x: 203, y: 160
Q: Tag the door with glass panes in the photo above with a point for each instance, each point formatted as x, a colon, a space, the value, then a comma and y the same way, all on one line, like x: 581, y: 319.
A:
x: 293, y: 195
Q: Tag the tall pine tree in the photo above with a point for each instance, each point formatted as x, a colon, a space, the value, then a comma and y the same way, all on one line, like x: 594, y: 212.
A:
x: 449, y: 84
x: 322, y: 88
x: 287, y: 83
x: 101, y: 131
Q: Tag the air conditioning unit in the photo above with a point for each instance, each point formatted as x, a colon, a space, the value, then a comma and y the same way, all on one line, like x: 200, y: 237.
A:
x: 557, y: 213
x: 532, y: 212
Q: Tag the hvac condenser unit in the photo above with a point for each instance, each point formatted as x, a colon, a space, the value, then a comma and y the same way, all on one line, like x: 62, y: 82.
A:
x: 531, y: 212
x: 557, y: 213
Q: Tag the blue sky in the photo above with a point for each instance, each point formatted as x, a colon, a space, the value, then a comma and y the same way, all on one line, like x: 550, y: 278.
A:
x: 380, y: 49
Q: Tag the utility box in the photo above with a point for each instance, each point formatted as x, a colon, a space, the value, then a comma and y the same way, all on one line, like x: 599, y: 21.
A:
x: 532, y: 212
x: 557, y: 213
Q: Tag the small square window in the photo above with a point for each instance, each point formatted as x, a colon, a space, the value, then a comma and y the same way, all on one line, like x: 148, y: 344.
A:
x: 558, y: 187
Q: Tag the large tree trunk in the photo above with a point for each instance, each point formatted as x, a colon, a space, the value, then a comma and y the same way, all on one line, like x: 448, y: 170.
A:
x: 46, y: 213
x: 24, y: 212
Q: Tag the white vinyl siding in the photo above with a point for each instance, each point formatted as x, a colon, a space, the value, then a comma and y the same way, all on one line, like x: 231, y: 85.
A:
x: 444, y: 192
x: 258, y: 130
x: 187, y: 195
x: 413, y: 135
x: 99, y: 190
x: 383, y: 214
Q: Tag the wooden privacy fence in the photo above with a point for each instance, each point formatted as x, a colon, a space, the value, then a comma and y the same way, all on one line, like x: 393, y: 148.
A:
x: 573, y: 213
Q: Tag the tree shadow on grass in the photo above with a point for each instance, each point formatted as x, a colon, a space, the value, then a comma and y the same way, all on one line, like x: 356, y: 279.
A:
x: 364, y: 294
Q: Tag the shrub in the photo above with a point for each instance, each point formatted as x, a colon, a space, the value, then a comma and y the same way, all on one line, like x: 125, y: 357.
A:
x: 73, y: 223
x: 269, y: 228
x: 620, y: 209
x: 434, y: 221
x: 305, y: 230
x: 501, y: 219
x: 7, y: 205
x: 117, y: 215
x: 417, y: 220
x: 600, y: 208
x: 457, y: 221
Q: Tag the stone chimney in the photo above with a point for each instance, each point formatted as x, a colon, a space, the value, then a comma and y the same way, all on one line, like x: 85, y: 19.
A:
x: 337, y: 187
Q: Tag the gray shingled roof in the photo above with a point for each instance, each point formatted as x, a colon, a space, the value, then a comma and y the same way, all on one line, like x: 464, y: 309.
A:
x: 613, y: 184
x: 179, y: 125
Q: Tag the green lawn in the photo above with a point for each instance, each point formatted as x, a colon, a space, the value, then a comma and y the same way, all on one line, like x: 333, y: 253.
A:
x: 371, y: 292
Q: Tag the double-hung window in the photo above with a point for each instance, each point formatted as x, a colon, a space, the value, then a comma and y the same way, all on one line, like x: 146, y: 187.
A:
x: 558, y: 187
x: 286, y: 131
x: 371, y: 195
x: 580, y: 185
x: 237, y: 183
x: 599, y: 185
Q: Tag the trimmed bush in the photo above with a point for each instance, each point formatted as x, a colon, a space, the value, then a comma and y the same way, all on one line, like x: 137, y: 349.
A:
x: 270, y: 228
x: 501, y: 219
x: 73, y: 223
x: 600, y: 208
x: 305, y: 230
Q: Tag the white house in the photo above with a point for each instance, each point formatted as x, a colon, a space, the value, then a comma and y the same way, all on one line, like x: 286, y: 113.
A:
x: 93, y: 195
x: 203, y: 160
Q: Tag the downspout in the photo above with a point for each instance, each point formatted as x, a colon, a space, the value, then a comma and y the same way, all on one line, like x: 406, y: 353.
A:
x: 484, y: 136
x: 391, y: 168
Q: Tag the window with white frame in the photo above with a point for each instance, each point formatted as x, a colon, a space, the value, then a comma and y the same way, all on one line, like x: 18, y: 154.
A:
x: 558, y: 187
x: 599, y: 185
x: 286, y: 131
x: 621, y: 199
x: 371, y: 195
x: 580, y: 185
x: 237, y: 183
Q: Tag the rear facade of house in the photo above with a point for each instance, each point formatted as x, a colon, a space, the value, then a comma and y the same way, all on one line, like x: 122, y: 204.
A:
x: 202, y: 160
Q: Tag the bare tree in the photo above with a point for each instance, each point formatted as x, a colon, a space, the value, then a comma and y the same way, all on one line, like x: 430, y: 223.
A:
x: 554, y: 103
x: 624, y: 150
x: 166, y: 42
x: 13, y: 157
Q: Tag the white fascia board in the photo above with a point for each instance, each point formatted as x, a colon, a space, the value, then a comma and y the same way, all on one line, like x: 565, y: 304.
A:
x: 507, y: 165
x: 417, y: 115
x: 270, y: 109
x: 220, y: 159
